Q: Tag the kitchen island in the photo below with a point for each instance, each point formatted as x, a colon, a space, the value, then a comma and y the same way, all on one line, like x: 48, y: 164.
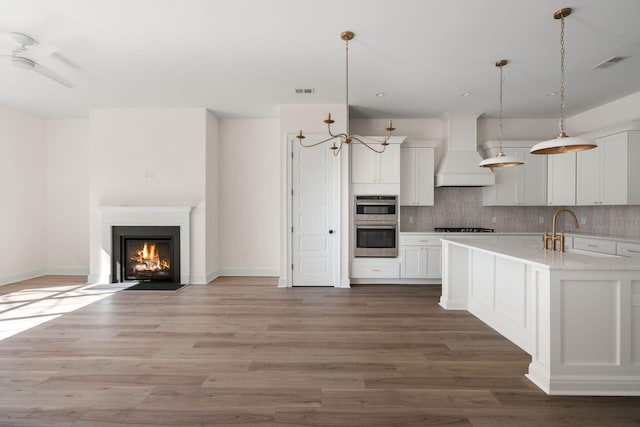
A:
x: 576, y: 314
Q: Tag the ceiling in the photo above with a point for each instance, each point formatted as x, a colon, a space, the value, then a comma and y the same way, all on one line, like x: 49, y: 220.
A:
x: 243, y: 58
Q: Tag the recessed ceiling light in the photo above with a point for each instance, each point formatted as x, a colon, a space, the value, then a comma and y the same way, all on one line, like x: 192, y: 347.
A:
x: 380, y: 94
x: 551, y: 94
x: 465, y: 94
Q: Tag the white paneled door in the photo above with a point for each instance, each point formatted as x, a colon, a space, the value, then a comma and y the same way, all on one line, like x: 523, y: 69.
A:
x: 314, y: 215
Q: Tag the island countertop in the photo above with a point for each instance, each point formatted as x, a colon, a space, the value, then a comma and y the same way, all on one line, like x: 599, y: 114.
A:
x: 534, y: 253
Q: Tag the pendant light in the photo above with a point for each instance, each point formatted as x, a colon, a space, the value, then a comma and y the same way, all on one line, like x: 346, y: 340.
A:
x: 562, y: 143
x: 340, y: 139
x: 501, y: 160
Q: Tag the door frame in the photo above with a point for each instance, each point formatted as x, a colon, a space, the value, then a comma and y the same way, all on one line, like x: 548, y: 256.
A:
x: 340, y: 230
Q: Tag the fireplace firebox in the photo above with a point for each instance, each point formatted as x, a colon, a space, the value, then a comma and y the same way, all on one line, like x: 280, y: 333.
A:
x: 145, y: 254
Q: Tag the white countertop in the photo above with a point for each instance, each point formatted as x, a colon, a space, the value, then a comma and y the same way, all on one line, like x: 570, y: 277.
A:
x: 524, y: 250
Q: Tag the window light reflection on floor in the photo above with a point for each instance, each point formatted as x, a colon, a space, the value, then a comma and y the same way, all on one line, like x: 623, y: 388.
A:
x: 24, y: 309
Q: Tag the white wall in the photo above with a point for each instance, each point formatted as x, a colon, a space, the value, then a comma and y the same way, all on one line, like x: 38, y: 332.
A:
x: 67, y: 196
x: 621, y: 110
x: 22, y: 189
x: 413, y: 129
x: 212, y: 194
x: 151, y: 157
x: 249, y: 201
x: 523, y: 129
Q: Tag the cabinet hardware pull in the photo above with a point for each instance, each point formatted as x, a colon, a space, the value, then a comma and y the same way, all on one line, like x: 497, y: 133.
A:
x: 632, y: 250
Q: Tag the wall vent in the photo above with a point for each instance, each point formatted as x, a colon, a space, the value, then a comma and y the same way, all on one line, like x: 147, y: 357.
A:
x: 608, y: 62
x: 305, y: 91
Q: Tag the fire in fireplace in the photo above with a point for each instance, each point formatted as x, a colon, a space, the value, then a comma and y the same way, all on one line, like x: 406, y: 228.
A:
x: 146, y: 253
x: 148, y: 259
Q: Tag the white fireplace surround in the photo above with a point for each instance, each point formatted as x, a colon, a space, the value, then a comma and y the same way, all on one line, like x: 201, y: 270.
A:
x: 112, y: 216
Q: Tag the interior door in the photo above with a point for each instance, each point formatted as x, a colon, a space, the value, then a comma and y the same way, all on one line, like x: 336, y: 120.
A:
x: 315, y: 215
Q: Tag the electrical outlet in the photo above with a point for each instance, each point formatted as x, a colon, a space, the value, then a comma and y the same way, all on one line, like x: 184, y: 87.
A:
x: 583, y: 220
x: 494, y: 220
x: 410, y: 220
x: 540, y: 220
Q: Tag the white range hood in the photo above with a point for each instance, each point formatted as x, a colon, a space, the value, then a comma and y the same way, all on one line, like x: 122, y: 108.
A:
x: 459, y: 164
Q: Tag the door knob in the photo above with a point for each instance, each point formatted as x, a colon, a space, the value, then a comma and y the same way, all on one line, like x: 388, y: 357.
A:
x: 330, y: 231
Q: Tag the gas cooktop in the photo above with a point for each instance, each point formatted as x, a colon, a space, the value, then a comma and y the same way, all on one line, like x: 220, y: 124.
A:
x: 463, y: 230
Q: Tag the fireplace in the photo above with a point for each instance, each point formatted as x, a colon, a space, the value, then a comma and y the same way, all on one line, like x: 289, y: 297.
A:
x: 145, y: 254
x: 104, y: 248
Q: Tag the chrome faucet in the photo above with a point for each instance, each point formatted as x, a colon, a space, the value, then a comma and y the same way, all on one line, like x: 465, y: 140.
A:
x: 553, y: 238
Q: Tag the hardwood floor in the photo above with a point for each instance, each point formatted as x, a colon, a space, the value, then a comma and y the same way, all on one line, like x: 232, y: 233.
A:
x: 242, y: 352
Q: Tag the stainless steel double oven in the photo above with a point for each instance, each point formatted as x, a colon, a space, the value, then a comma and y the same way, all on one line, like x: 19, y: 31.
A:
x: 376, y: 226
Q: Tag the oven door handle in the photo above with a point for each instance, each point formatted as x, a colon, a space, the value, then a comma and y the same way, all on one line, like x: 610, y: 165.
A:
x: 370, y: 226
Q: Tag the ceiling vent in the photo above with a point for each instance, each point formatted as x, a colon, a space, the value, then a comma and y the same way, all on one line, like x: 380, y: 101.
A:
x: 304, y: 91
x: 608, y: 62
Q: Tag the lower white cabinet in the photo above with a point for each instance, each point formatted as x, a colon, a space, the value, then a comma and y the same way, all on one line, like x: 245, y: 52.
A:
x: 420, y: 256
x: 628, y: 249
x: 375, y: 268
x: 602, y: 246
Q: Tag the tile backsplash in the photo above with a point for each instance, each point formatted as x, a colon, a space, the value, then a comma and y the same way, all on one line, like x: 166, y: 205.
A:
x: 462, y: 207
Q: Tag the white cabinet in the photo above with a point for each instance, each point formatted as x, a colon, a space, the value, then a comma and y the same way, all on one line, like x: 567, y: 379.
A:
x: 375, y: 268
x: 628, y: 249
x: 524, y: 185
x: 420, y: 256
x: 369, y: 167
x: 561, y: 180
x: 601, y: 246
x: 416, y: 176
x: 610, y: 174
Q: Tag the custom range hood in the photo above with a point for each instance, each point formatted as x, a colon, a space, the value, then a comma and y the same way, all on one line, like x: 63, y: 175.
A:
x: 459, y: 164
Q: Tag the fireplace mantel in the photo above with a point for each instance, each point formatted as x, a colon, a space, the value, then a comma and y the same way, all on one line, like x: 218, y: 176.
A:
x: 111, y: 216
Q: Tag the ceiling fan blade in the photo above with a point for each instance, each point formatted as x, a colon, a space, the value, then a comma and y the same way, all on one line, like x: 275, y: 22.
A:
x: 52, y: 75
x: 41, y: 51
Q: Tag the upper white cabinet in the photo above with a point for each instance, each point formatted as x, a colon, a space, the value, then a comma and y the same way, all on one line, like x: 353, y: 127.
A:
x: 416, y: 175
x: 610, y: 174
x: 561, y: 180
x: 524, y: 185
x: 369, y: 167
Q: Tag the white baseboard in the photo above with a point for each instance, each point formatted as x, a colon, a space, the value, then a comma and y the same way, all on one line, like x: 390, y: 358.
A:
x: 282, y: 282
x: 67, y: 271
x: 248, y: 272
x: 22, y: 276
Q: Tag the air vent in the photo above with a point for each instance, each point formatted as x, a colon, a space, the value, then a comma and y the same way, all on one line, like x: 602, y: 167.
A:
x: 608, y: 62
x: 304, y: 91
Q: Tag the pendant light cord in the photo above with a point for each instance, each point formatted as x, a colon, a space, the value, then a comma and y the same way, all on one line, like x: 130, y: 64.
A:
x: 500, y: 122
x: 562, y: 133
x: 347, y: 83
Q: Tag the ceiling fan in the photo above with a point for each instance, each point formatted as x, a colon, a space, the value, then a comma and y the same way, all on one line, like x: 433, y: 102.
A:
x: 29, y: 48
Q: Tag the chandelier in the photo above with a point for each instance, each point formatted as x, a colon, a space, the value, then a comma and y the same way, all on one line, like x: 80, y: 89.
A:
x: 340, y: 139
x: 501, y: 160
x: 562, y: 143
